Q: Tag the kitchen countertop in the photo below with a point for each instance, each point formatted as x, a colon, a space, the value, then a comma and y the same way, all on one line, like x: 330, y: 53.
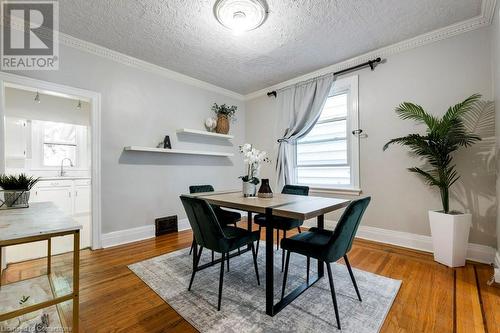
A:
x: 63, y: 178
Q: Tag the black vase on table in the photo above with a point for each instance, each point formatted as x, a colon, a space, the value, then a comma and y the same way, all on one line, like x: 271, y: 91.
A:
x: 265, y: 189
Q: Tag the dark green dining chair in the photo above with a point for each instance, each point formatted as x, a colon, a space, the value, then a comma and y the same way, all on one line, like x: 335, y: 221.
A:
x: 224, y: 216
x: 282, y: 223
x: 210, y: 234
x: 328, y: 246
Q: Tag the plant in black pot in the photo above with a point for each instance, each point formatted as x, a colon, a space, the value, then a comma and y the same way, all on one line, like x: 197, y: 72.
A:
x: 16, y: 189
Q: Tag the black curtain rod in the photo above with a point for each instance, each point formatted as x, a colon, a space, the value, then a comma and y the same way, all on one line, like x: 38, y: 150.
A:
x: 370, y: 63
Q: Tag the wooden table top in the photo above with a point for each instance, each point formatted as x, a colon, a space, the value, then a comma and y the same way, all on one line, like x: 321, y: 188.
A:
x: 285, y: 205
x: 41, y: 218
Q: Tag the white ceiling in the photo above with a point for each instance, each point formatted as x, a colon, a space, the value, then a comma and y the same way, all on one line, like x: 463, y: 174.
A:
x: 298, y: 37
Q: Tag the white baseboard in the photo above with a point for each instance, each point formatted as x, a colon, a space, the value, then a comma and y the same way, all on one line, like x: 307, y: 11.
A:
x: 475, y: 252
x: 127, y: 236
x: 183, y: 225
x: 135, y: 234
x: 497, y: 267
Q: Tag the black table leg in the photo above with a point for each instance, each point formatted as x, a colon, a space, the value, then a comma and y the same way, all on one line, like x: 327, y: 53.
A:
x: 249, y: 224
x: 269, y: 264
x: 321, y: 266
x: 249, y: 221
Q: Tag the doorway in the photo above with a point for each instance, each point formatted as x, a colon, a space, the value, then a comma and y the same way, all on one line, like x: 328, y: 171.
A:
x: 52, y: 131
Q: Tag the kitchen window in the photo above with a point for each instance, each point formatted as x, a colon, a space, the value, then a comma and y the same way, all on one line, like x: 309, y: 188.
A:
x: 328, y: 156
x: 54, y: 141
x: 59, y: 142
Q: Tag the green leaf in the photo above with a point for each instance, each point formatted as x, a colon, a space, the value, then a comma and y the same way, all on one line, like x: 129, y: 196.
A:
x: 416, y: 112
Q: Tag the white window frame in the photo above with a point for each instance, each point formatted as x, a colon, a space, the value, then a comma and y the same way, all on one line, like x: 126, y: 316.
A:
x: 349, y: 84
x: 38, y: 141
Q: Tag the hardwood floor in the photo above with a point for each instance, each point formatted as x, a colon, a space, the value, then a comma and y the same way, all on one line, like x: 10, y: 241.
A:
x: 433, y: 298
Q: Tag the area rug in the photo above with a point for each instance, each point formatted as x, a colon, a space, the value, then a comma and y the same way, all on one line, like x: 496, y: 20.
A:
x: 243, y: 301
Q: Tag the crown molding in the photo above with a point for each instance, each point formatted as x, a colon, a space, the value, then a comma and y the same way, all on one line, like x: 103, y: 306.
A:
x: 483, y: 20
x: 124, y: 59
x: 101, y: 51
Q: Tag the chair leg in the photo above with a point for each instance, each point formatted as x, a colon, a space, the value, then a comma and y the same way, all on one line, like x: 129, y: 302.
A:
x: 352, y: 277
x: 227, y: 261
x: 286, y: 274
x: 277, y: 239
x: 213, y: 256
x: 334, y: 298
x: 192, y: 247
x: 195, y: 268
x: 258, y: 242
x: 221, y: 279
x: 236, y: 226
x: 300, y: 231
x: 254, y: 254
x: 283, y: 254
x: 308, y: 268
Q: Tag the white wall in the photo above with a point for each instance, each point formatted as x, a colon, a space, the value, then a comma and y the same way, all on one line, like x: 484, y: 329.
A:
x: 436, y: 76
x: 495, y: 37
x: 139, y: 108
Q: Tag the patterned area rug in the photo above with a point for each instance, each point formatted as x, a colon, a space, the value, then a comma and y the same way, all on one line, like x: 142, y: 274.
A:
x: 243, y: 302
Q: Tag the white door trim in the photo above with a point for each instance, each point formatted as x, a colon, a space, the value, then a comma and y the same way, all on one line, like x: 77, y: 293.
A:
x: 95, y: 121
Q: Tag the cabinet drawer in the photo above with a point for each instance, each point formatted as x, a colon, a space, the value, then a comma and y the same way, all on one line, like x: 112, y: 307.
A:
x: 54, y: 183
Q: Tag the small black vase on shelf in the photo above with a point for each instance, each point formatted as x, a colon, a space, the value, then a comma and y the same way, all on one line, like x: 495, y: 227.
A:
x: 265, y: 190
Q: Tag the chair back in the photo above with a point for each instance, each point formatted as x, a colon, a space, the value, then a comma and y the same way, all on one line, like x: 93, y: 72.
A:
x: 295, y: 189
x: 206, y: 228
x: 343, y: 235
x: 201, y: 188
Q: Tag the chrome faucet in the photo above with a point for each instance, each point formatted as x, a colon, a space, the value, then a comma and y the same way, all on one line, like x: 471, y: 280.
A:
x: 62, y: 173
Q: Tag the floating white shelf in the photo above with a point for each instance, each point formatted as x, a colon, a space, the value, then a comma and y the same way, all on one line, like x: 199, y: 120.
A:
x: 205, y: 133
x: 177, y: 151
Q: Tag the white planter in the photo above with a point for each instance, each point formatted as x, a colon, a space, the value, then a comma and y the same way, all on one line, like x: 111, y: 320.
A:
x: 450, y: 237
x: 249, y: 189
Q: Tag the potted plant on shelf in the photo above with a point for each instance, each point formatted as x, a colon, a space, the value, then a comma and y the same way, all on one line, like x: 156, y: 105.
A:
x: 224, y: 114
x: 16, y: 189
x: 444, y: 136
x: 253, y: 158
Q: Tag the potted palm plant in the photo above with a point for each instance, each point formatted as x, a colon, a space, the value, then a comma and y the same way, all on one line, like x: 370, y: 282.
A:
x: 443, y: 136
x: 16, y: 189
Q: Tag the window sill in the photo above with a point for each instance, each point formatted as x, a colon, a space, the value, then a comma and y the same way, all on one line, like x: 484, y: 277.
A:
x: 339, y: 190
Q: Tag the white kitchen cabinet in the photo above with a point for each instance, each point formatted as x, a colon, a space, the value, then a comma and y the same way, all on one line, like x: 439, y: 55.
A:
x: 82, y: 197
x: 16, y: 135
x: 58, y: 192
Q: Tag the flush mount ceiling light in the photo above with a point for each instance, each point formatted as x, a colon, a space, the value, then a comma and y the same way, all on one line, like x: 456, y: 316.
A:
x: 240, y: 15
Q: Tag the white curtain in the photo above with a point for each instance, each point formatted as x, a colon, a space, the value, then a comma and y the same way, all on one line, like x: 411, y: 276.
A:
x: 299, y: 108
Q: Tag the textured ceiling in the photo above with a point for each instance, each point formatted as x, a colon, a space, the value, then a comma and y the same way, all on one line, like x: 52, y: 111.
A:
x: 298, y: 36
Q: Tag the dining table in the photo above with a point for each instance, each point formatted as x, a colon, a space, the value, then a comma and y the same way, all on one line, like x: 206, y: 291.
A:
x: 282, y: 205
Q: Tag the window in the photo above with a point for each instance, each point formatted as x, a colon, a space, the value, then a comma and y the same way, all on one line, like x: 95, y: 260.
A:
x: 327, y: 157
x: 59, y: 142
x: 52, y: 142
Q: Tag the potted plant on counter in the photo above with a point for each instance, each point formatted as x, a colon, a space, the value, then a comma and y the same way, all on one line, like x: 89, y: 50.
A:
x: 224, y: 114
x: 16, y: 189
x: 253, y: 159
x: 443, y: 136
